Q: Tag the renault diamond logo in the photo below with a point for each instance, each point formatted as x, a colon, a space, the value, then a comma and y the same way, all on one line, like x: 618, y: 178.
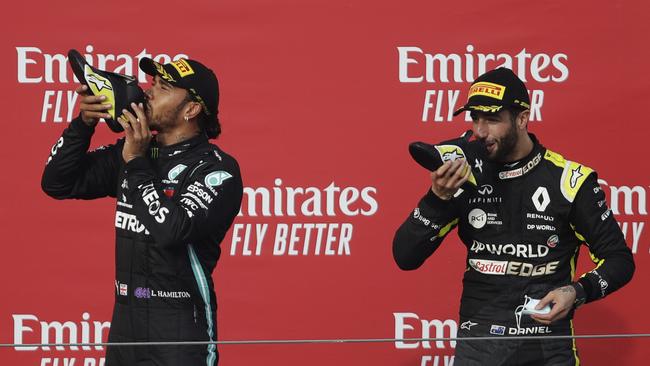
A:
x: 541, y: 199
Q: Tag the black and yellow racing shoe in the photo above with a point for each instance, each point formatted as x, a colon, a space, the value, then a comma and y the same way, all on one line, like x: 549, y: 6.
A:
x: 120, y: 90
x: 431, y: 157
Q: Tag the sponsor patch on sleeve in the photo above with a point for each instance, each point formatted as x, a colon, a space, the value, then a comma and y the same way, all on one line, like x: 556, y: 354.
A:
x: 216, y: 178
x: 573, y: 176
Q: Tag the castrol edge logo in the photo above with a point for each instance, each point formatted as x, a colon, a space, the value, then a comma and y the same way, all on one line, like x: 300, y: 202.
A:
x: 491, y: 90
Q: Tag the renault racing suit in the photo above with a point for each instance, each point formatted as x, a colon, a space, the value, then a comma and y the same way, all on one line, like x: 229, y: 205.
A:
x: 173, y: 209
x: 522, y: 225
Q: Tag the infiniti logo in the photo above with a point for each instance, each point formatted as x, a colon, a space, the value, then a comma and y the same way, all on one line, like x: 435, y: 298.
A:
x: 485, y: 189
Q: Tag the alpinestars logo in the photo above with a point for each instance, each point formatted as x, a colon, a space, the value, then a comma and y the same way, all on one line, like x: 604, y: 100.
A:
x: 452, y: 155
x: 575, y: 175
x: 468, y: 325
x: 478, y: 164
x: 100, y: 82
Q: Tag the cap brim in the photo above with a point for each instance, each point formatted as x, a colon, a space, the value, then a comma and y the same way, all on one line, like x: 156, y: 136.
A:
x: 489, y: 109
x: 153, y: 68
x: 461, y: 110
x: 148, y: 66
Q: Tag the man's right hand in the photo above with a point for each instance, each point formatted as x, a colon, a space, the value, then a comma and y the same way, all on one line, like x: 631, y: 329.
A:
x: 92, y: 107
x: 447, y: 179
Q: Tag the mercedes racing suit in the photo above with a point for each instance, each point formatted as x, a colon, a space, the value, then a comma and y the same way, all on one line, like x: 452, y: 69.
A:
x: 522, y: 226
x: 173, y: 209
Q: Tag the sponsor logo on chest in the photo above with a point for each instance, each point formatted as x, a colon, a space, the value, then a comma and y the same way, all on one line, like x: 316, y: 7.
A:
x: 514, y: 268
x: 129, y: 222
x: 479, y: 218
x: 516, y: 250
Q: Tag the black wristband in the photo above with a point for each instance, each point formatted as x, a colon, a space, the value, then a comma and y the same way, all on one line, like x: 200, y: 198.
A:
x: 581, y: 294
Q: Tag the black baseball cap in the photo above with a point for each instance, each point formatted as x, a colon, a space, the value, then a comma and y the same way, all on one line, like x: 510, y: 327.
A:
x: 496, y: 89
x: 196, y: 78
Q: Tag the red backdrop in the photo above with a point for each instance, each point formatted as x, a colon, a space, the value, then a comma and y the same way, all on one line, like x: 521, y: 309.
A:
x: 327, y: 95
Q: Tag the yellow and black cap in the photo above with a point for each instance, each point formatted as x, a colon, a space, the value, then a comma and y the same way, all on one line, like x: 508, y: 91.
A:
x: 200, y: 81
x: 495, y: 90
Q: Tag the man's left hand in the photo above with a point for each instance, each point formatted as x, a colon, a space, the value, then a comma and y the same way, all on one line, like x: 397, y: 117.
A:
x: 562, y: 299
x: 138, y: 134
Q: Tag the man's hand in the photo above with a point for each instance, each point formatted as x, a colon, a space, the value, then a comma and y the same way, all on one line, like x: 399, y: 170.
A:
x: 447, y: 179
x: 138, y: 134
x: 91, y: 106
x: 562, y: 299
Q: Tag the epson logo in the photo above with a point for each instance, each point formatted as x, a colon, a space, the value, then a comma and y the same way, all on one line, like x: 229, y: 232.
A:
x: 409, y: 325
x: 627, y: 195
x: 417, y: 66
x: 84, y: 331
x: 38, y: 66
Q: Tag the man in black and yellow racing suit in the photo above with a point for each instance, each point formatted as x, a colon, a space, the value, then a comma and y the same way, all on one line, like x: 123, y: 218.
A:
x: 522, y: 220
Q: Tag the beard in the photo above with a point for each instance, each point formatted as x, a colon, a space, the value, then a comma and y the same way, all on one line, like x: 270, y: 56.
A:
x: 164, y: 119
x: 505, y: 145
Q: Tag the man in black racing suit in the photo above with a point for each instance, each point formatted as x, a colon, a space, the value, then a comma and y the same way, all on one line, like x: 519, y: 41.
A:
x: 177, y: 195
x: 522, y: 223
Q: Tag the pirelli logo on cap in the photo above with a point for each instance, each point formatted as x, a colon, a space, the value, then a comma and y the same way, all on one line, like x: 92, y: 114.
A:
x: 183, y: 67
x: 491, y: 90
